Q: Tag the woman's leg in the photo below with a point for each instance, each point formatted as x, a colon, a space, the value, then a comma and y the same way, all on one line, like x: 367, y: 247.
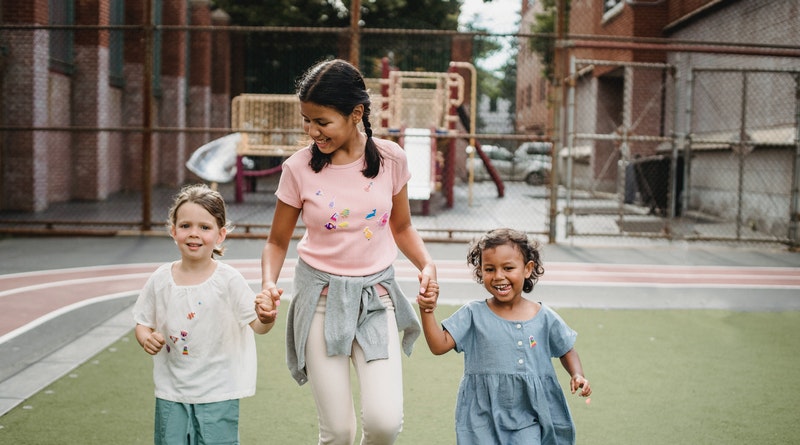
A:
x: 381, y: 385
x: 330, y: 384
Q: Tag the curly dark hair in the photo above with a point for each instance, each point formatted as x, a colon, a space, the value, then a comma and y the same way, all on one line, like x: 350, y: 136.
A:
x: 498, y: 237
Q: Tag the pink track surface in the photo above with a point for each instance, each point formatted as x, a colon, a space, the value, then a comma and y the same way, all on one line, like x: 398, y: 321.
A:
x: 26, y: 297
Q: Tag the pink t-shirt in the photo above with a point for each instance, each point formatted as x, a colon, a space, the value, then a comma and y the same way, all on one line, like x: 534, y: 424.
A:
x: 345, y: 213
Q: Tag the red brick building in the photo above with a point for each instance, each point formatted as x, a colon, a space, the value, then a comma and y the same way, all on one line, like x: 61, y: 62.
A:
x: 60, y: 85
x: 640, y: 32
x: 709, y: 82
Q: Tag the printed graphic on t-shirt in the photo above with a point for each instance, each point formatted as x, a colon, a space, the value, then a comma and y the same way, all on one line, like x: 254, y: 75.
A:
x: 341, y: 216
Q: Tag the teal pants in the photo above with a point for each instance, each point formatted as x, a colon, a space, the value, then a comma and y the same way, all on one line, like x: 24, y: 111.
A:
x: 196, y: 423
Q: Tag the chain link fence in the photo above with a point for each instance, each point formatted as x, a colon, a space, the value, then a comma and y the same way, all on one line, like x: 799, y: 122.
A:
x: 650, y: 150
x: 741, y: 178
x: 632, y: 170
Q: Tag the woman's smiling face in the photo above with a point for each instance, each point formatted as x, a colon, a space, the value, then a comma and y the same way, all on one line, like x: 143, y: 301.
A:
x: 329, y: 129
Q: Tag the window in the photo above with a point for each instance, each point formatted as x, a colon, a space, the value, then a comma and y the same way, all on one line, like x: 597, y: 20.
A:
x: 187, y: 49
x: 611, y: 7
x: 528, y: 96
x: 157, y: 39
x: 62, y: 13
x: 116, y: 44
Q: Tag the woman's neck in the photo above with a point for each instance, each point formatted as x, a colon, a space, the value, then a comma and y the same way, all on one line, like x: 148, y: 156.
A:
x: 352, y: 152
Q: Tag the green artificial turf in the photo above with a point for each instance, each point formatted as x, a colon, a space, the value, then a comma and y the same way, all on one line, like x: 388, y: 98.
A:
x: 659, y: 377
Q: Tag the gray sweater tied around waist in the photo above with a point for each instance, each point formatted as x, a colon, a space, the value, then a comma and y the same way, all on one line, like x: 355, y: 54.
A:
x: 353, y: 311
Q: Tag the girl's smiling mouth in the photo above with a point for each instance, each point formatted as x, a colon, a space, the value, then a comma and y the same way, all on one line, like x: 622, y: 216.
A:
x: 502, y: 288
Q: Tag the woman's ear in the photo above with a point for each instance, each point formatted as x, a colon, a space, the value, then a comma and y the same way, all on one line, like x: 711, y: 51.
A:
x: 358, y: 113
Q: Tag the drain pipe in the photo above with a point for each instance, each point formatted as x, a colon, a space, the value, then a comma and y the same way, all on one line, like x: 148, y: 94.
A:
x: 472, y: 110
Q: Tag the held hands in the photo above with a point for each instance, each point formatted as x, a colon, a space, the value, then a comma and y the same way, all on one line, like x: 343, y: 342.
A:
x: 428, y: 290
x: 153, y: 343
x: 267, y: 302
x: 579, y: 382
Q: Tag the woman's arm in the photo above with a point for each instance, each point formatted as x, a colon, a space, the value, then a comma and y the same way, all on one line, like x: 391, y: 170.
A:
x: 409, y: 242
x: 277, y: 245
x: 272, y: 257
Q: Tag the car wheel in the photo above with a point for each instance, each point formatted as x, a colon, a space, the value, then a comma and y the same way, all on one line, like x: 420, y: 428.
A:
x: 535, y: 178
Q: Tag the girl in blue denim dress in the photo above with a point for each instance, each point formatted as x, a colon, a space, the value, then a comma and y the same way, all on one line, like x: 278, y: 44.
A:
x: 509, y: 393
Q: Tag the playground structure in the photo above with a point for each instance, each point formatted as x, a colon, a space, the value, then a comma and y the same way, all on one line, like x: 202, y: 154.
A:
x: 416, y: 109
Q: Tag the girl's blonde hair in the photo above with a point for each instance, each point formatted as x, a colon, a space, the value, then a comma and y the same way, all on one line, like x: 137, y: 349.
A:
x: 205, y: 197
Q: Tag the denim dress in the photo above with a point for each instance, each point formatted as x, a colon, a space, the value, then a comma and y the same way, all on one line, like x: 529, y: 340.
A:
x: 509, y: 393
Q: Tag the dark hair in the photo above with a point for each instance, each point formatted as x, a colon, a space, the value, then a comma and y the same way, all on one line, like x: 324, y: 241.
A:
x: 339, y: 85
x: 209, y: 199
x: 498, y: 237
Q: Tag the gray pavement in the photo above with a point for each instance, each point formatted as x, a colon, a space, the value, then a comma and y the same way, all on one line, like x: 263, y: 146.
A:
x: 675, y: 275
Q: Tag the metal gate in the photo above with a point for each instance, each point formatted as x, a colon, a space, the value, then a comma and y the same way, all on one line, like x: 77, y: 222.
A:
x: 619, y: 164
x: 722, y: 167
x: 742, y: 152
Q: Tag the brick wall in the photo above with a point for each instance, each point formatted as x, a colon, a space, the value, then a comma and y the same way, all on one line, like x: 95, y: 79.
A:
x: 43, y: 167
x: 25, y: 103
x: 171, y: 146
x: 220, y: 74
x: 198, y: 113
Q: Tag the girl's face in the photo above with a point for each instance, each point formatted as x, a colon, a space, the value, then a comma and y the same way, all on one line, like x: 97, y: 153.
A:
x: 330, y: 130
x: 504, y: 271
x: 196, y: 232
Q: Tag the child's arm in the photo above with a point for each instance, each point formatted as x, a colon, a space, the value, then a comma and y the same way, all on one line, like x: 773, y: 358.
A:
x: 439, y: 340
x: 572, y: 363
x: 267, y: 312
x: 149, y: 339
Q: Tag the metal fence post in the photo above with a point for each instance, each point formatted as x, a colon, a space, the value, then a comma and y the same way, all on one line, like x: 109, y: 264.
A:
x: 147, y: 116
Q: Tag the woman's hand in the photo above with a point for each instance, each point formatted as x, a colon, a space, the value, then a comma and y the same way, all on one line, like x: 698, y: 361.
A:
x: 267, y: 302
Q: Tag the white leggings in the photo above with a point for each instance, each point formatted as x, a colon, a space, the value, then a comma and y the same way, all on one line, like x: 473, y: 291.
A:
x: 381, y: 386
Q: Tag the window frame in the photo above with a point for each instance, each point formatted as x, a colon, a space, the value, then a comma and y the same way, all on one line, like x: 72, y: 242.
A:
x: 61, y: 42
x: 116, y: 44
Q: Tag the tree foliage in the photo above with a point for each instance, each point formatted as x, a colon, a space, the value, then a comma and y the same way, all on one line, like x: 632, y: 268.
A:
x: 404, y: 14
x: 274, y: 59
x: 545, y: 25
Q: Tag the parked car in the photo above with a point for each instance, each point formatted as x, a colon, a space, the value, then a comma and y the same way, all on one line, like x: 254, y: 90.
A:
x: 525, y: 164
x: 537, y: 150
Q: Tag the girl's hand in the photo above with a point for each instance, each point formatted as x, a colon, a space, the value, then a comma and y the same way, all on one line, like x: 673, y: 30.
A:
x: 267, y: 302
x: 427, y: 301
x: 429, y: 289
x: 154, y: 342
x: 580, y: 382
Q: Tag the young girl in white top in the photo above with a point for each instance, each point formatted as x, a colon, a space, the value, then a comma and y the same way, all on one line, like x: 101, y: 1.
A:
x: 196, y: 317
x: 350, y: 190
x: 509, y: 392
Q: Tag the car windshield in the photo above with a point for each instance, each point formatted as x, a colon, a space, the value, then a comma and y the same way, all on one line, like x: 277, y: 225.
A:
x: 534, y: 148
x: 498, y: 153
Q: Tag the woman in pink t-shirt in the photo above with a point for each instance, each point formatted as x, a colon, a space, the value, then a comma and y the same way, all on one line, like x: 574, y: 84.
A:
x: 350, y: 189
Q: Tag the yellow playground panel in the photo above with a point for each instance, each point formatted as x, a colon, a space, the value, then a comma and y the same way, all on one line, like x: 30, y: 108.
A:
x: 270, y: 124
x: 420, y: 104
